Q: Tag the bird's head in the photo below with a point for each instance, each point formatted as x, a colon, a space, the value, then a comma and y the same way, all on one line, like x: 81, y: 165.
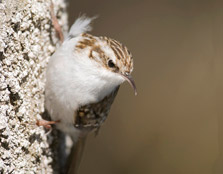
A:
x: 113, y: 58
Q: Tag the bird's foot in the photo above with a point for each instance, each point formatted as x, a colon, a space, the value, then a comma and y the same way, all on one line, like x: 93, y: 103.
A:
x: 45, y: 123
x: 56, y: 24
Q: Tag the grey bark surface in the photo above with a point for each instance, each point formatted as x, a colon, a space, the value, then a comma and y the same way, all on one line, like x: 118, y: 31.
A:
x: 27, y: 40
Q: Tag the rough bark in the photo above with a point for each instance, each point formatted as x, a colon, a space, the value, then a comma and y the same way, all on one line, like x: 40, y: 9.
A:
x: 27, y: 39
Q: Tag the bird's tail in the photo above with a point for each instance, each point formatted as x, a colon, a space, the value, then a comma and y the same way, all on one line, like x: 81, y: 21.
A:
x: 76, y: 155
x: 81, y: 25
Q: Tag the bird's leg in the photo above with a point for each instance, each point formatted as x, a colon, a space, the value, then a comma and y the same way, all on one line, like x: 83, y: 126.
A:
x: 56, y: 24
x: 45, y: 123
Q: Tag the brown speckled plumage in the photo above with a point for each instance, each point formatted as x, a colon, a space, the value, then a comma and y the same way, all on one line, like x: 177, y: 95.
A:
x: 91, y: 116
x: 123, y: 55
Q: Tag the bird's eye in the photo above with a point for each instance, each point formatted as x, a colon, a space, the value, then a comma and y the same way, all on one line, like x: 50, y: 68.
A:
x: 111, y: 64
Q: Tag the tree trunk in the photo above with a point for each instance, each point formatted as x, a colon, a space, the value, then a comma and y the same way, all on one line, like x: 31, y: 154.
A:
x: 27, y: 40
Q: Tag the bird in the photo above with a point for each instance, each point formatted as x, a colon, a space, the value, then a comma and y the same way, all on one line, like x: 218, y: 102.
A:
x: 83, y: 77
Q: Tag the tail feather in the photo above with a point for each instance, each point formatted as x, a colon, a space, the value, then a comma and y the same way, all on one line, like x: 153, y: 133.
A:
x: 81, y: 25
x: 76, y: 155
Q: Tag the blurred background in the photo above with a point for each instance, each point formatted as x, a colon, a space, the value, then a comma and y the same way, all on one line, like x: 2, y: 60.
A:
x: 175, y: 124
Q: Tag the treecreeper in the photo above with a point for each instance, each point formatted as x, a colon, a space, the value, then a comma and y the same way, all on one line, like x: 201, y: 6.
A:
x: 82, y: 79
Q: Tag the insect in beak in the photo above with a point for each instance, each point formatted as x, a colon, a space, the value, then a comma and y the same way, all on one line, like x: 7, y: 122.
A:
x: 130, y: 80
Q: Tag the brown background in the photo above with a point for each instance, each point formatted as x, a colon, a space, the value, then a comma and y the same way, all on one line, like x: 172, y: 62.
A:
x: 175, y: 124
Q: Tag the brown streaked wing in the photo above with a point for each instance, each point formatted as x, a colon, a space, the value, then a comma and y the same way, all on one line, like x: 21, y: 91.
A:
x: 92, y: 116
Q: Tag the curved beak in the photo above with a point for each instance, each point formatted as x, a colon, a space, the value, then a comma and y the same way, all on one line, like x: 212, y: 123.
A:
x: 130, y: 80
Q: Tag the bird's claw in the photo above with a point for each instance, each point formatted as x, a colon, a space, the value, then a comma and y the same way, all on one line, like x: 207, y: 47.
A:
x: 45, y: 123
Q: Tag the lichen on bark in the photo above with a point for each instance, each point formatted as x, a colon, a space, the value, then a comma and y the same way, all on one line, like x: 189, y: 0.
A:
x: 27, y: 40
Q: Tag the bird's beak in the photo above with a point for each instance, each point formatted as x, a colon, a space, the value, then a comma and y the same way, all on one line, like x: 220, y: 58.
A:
x: 129, y: 79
